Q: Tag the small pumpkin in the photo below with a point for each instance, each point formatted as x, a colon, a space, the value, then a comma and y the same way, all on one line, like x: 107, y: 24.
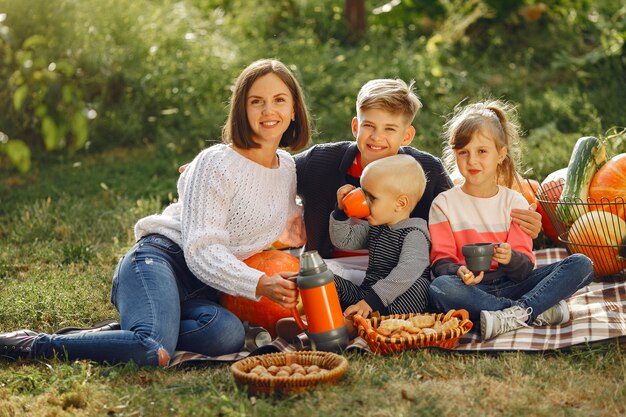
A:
x: 528, y: 190
x: 608, y: 185
x: 264, y: 313
x: 548, y: 194
x: 599, y: 235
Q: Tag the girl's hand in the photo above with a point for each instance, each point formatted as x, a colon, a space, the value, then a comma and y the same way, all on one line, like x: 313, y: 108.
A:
x: 341, y: 193
x: 278, y: 289
x: 529, y: 220
x: 361, y: 308
x: 468, y: 276
x: 502, y: 253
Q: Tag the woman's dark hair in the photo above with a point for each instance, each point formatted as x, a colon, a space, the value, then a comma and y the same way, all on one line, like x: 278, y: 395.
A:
x: 237, y: 129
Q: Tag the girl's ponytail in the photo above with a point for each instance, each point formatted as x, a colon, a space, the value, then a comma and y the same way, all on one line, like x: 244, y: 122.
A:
x: 508, y: 168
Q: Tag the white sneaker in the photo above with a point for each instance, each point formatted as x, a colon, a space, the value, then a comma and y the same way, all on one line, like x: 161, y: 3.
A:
x: 493, y: 323
x: 557, y: 314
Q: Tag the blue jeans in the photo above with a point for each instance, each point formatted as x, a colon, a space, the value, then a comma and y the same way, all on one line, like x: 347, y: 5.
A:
x: 163, y: 307
x: 543, y: 288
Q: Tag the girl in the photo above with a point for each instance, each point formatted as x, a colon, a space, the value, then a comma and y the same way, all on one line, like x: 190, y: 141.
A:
x: 484, y: 143
x: 234, y: 200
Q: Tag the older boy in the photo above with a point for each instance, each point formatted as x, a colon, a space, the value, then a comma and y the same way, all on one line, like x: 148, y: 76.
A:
x: 385, y: 109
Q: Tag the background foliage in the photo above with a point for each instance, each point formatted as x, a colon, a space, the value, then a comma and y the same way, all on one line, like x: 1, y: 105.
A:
x: 92, y: 74
x: 122, y: 92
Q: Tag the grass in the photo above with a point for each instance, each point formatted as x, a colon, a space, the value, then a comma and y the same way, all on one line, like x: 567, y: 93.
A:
x: 62, y: 229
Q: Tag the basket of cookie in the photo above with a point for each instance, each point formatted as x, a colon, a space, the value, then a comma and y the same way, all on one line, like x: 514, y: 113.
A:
x: 387, y: 334
x: 288, y: 372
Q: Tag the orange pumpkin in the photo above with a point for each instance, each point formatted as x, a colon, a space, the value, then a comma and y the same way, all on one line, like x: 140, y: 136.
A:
x: 264, y: 313
x: 599, y: 235
x: 608, y: 187
x: 528, y: 190
x: 548, y: 194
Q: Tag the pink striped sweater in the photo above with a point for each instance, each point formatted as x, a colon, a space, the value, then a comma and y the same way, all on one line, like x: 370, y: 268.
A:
x: 457, y: 218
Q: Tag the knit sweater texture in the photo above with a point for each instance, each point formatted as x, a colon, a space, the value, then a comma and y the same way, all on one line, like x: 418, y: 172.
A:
x: 323, y: 168
x: 457, y: 218
x: 228, y: 209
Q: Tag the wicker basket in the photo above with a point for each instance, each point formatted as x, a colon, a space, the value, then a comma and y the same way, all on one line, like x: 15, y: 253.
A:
x: 383, y: 344
x: 609, y: 259
x: 335, y: 364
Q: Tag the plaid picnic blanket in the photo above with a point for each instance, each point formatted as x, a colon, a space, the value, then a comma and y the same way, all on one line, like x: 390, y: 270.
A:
x: 598, y: 313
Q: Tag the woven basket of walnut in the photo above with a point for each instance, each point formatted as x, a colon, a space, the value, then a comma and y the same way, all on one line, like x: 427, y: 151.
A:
x: 288, y: 372
x: 387, y: 334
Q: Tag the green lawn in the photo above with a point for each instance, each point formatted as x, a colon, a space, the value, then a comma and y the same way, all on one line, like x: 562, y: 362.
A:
x: 62, y: 229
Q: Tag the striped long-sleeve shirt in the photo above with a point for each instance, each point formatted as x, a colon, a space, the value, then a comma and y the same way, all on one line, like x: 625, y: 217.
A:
x: 398, y: 256
x: 457, y: 218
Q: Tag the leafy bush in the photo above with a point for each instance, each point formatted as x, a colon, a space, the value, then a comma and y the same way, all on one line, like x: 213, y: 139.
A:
x: 118, y: 73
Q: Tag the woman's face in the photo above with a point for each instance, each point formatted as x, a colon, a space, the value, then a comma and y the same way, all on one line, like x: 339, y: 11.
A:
x: 270, y: 109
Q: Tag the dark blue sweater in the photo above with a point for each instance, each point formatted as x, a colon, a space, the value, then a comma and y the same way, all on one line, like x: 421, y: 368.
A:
x: 323, y: 168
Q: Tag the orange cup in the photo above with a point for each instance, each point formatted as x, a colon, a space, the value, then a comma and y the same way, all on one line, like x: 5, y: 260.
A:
x: 355, y: 205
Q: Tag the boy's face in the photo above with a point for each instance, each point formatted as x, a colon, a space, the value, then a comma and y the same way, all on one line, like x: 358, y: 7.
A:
x: 382, y: 201
x: 380, y: 133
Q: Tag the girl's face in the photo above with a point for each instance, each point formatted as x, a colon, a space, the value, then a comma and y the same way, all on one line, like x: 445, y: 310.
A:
x: 269, y: 108
x: 478, y: 163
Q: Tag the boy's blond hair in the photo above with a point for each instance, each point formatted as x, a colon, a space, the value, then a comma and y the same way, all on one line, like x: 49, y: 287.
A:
x: 392, y: 95
x: 402, y: 174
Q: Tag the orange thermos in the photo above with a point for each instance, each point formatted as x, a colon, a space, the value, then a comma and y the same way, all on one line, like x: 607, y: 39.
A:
x: 325, y: 325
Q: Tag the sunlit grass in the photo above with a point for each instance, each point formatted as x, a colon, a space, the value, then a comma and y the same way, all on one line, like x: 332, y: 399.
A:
x: 59, y: 248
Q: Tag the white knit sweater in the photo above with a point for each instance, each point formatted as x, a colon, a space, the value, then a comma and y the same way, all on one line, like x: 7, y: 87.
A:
x: 229, y: 208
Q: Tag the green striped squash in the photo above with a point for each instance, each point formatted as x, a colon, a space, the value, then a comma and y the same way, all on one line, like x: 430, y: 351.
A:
x: 587, y: 157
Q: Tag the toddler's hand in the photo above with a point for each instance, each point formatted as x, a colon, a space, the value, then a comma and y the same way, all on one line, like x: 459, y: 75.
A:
x: 502, y: 253
x: 341, y: 193
x: 361, y: 308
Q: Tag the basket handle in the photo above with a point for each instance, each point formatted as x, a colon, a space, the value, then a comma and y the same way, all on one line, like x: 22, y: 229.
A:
x: 359, y: 320
x: 463, y: 317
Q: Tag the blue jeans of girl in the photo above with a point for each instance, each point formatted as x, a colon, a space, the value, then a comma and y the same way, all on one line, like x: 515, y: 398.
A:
x: 543, y: 288
x: 163, y: 307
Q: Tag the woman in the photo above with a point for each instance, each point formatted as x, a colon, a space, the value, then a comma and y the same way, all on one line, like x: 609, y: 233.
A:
x: 234, y: 200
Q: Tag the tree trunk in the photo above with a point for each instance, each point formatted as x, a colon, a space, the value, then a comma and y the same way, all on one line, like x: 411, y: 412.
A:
x: 355, y: 14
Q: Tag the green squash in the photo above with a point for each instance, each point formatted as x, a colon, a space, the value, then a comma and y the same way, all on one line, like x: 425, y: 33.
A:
x: 588, y: 156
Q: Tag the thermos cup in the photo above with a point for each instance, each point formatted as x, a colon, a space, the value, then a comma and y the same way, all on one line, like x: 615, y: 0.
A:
x: 325, y: 324
x: 355, y: 205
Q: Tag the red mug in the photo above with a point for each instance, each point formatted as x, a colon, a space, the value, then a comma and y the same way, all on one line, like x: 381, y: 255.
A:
x: 355, y: 205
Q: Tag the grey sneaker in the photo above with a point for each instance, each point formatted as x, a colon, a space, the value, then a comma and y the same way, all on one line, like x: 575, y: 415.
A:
x: 17, y: 344
x: 557, y: 314
x: 493, y: 323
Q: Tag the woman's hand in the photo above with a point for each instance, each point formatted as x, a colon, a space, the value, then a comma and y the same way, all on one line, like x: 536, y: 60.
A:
x: 278, y: 289
x: 361, y: 308
x: 502, y: 253
x: 528, y: 220
x: 182, y: 168
x: 341, y: 193
x: 468, y: 276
